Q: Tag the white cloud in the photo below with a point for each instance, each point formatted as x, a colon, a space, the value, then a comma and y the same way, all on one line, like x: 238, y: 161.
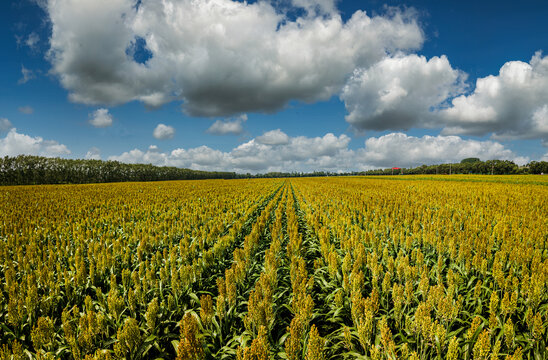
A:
x: 316, y: 7
x: 399, y: 92
x: 398, y: 149
x: 540, y: 119
x: 137, y: 156
x: 163, y: 132
x: 407, y: 91
x: 326, y: 153
x: 17, y: 144
x: 32, y: 41
x: 513, y: 104
x: 273, y: 137
x: 226, y: 57
x: 26, y: 110
x: 299, y: 154
x: 218, y: 57
x: 226, y: 127
x: 201, y: 157
x: 27, y: 75
x: 100, y: 118
x: 93, y: 153
x: 5, y: 124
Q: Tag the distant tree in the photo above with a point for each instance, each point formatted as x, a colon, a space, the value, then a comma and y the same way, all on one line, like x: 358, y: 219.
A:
x: 470, y: 160
x: 538, y: 167
x: 500, y: 167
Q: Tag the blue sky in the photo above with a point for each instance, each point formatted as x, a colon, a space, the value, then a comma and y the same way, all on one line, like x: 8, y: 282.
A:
x: 295, y: 85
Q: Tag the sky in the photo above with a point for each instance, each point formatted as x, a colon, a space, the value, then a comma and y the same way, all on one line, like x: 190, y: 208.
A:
x: 287, y: 85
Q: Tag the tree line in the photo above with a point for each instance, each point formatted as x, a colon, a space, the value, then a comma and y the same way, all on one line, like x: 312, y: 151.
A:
x: 34, y: 170
x: 469, y: 166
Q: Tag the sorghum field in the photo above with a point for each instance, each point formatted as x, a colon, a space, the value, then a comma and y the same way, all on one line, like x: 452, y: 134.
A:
x: 307, y: 268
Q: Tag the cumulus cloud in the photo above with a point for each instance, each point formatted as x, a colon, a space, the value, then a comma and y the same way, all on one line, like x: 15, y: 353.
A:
x: 93, y: 153
x: 326, y: 153
x: 225, y: 57
x: 163, y: 132
x: 273, y: 137
x: 5, y: 124
x: 398, y: 149
x: 228, y: 127
x: 27, y: 75
x: 100, y: 118
x: 299, y: 154
x: 400, y: 92
x: 540, y: 120
x: 219, y: 57
x: 17, y: 144
x: 26, y: 110
x: 136, y: 156
x: 407, y: 91
x: 510, y: 105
